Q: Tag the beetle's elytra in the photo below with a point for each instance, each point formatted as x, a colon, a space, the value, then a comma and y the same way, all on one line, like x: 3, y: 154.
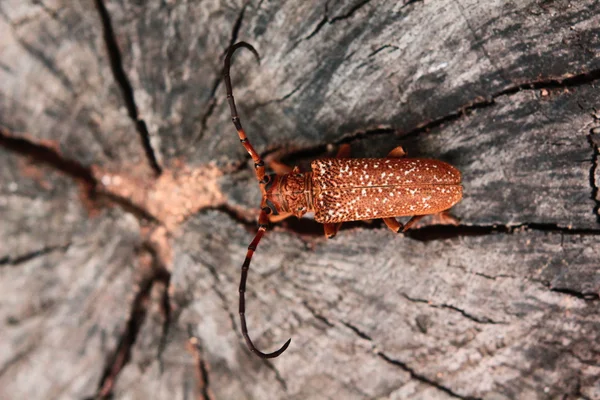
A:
x: 343, y: 189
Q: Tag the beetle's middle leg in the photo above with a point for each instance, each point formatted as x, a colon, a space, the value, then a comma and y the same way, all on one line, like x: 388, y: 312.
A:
x: 398, y: 227
x: 394, y: 225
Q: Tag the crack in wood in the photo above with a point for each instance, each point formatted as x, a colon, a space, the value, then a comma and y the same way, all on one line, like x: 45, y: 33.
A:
x: 156, y: 272
x: 13, y: 261
x: 479, y: 320
x: 357, y: 331
x: 593, y: 141
x: 47, y: 153
x: 212, y: 102
x: 316, y: 315
x: 316, y: 150
x: 122, y: 355
x: 587, y: 296
x: 202, y: 367
x: 17, y: 357
x: 413, y: 374
x: 220, y: 295
x: 326, y: 19
x: 278, y: 376
x: 422, y: 378
x: 580, y: 79
x: 116, y: 63
x: 37, y: 53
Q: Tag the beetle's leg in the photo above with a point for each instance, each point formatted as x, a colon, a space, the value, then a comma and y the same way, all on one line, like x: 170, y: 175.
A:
x: 411, y: 222
x: 331, y: 229
x: 262, y: 227
x: 398, y: 227
x: 445, y: 218
x: 278, y: 167
x: 278, y: 218
x: 343, y: 151
x: 259, y: 165
x: 393, y: 224
x: 398, y: 152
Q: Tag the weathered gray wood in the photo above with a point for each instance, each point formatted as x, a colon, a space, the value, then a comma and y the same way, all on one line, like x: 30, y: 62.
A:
x: 66, y: 280
x: 367, y: 307
x: 505, y: 305
x: 57, y: 83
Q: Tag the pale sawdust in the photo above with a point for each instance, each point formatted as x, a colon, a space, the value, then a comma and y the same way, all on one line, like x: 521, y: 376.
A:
x: 171, y: 198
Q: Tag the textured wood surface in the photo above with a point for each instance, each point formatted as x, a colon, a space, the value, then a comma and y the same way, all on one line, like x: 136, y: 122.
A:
x: 127, y: 201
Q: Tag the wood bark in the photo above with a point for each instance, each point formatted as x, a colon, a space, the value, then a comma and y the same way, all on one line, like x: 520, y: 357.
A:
x: 127, y: 202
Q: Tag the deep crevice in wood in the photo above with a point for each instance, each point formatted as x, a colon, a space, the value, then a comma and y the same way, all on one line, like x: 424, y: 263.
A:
x: 48, y: 155
x: 212, y: 102
x: 311, y: 228
x: 114, y: 54
x: 121, y: 357
x: 440, y: 232
x: 205, y: 379
x: 593, y: 172
x: 587, y: 296
x: 167, y: 321
x: 127, y: 205
x: 137, y: 316
x: 318, y: 150
x: 202, y: 368
x: 549, y: 83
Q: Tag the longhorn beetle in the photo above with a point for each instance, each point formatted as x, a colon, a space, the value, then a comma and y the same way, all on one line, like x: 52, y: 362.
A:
x: 342, y: 189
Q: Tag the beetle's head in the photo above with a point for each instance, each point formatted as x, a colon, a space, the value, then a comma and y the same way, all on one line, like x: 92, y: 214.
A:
x: 271, y: 198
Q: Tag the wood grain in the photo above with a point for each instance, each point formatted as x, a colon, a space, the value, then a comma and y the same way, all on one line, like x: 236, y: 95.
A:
x: 127, y: 202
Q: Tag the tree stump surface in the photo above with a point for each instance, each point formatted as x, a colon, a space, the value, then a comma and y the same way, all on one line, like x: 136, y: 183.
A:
x: 127, y: 202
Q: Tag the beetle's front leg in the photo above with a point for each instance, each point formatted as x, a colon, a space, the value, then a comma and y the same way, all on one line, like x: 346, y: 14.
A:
x: 331, y: 229
x: 278, y: 167
x: 278, y: 218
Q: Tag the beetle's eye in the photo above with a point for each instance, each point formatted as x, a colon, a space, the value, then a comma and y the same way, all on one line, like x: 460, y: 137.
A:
x: 266, y: 210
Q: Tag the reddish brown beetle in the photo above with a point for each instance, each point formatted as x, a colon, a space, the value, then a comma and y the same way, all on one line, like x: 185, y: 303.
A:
x: 343, y: 189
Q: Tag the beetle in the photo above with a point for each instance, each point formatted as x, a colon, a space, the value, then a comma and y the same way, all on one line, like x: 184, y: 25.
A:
x: 342, y: 189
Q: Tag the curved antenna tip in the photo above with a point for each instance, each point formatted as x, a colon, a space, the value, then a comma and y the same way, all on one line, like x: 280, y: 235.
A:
x: 273, y: 354
x: 247, y: 45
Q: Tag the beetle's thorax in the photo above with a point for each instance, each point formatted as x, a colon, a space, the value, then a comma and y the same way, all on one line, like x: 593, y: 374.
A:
x: 290, y: 193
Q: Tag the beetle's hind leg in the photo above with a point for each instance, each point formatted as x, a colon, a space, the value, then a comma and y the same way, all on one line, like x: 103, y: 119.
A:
x: 445, y: 218
x: 331, y: 229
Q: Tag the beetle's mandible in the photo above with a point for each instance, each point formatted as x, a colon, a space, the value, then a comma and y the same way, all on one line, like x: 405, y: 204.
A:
x: 343, y: 189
